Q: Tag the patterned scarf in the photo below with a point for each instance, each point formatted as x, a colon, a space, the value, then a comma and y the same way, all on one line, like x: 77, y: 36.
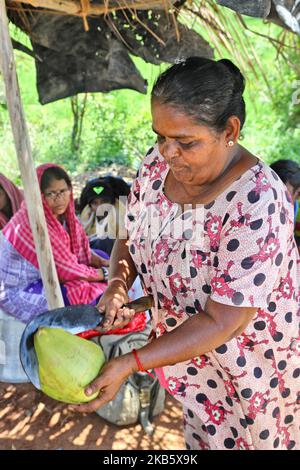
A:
x: 15, y: 196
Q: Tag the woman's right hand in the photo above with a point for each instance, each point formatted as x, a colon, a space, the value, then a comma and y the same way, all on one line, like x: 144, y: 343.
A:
x: 111, y: 304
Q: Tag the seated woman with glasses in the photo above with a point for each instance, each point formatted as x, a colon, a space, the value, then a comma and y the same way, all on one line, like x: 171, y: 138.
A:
x: 82, y: 274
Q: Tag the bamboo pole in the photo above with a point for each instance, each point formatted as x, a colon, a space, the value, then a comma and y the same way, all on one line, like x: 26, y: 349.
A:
x: 23, y: 149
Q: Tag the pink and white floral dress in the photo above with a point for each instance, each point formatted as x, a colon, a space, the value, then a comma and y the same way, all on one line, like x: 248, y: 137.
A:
x: 246, y: 393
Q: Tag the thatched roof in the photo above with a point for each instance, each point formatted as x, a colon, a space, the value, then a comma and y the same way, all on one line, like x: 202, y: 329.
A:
x: 85, y: 46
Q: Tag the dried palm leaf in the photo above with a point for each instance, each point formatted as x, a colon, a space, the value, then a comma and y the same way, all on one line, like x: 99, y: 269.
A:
x: 229, y: 34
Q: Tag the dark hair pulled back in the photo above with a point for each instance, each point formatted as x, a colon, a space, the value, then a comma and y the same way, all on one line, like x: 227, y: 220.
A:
x: 288, y: 171
x: 113, y: 187
x: 209, y: 91
x: 54, y: 173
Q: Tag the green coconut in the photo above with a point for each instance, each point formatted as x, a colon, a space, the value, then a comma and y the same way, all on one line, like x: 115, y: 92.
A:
x: 67, y: 364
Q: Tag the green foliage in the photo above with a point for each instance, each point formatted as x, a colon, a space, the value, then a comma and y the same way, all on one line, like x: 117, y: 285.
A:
x: 117, y: 125
x: 272, y: 127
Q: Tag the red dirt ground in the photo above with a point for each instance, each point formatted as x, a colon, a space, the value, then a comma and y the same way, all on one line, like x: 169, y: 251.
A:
x: 30, y: 420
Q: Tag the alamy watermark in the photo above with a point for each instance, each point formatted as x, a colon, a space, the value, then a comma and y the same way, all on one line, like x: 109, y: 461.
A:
x: 296, y: 94
x: 152, y: 221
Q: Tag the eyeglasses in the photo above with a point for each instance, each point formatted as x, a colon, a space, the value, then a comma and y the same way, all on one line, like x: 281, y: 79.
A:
x: 56, y: 194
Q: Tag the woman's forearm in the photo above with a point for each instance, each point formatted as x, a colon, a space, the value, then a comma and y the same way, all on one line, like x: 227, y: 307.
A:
x: 196, y: 336
x: 121, y: 263
x: 99, y: 276
x: 95, y: 260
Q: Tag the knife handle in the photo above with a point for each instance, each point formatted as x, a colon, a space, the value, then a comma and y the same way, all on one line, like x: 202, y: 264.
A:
x: 141, y: 304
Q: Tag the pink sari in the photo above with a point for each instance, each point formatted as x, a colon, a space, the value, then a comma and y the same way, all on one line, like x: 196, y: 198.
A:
x: 15, y: 196
x: 71, y: 249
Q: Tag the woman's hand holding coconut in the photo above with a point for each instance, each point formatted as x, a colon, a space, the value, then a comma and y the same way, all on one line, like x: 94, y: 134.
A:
x: 112, y: 376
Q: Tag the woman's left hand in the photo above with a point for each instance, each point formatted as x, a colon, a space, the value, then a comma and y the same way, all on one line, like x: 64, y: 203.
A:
x: 103, y: 261
x: 97, y: 261
x: 113, y: 374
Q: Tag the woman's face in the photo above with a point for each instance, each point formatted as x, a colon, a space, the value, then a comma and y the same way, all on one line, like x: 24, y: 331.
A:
x: 95, y: 204
x: 295, y: 193
x: 57, y: 196
x: 196, y: 154
x: 4, y: 200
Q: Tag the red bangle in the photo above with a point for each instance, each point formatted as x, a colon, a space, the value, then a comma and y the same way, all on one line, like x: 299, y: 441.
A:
x: 141, y: 368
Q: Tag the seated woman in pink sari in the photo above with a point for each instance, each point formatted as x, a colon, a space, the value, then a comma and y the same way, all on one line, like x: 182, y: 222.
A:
x: 10, y: 200
x: 81, y: 273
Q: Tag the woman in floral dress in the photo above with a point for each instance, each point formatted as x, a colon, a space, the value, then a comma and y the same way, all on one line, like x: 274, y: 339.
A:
x: 211, y: 234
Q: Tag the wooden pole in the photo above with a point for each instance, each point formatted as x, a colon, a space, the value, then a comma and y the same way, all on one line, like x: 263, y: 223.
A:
x: 74, y: 7
x: 29, y: 177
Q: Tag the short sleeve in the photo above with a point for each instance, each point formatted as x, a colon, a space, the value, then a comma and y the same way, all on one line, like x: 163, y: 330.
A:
x: 253, y: 248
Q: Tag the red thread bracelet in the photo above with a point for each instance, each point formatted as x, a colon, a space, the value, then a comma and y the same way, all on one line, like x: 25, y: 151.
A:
x: 141, y: 368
